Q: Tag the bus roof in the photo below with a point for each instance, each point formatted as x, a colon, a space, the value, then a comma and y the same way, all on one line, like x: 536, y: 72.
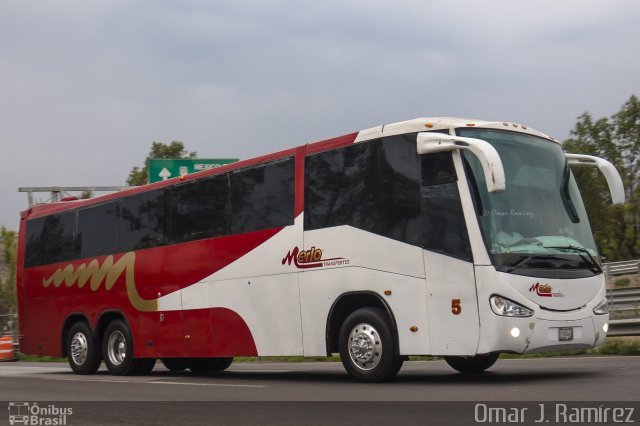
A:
x: 409, y: 126
x: 443, y: 123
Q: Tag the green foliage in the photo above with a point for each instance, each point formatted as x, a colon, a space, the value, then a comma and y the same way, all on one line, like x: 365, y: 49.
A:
x: 620, y: 347
x: 139, y: 176
x: 39, y: 358
x: 616, y: 228
x: 621, y: 282
x: 8, y: 284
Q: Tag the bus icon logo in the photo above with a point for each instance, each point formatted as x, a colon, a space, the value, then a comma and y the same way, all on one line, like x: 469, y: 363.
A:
x: 18, y: 413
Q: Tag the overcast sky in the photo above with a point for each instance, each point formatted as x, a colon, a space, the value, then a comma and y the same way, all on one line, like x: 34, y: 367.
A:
x: 87, y: 86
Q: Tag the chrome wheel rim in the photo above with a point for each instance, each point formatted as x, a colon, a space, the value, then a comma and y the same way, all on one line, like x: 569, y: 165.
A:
x: 365, y: 346
x: 117, y: 348
x: 79, y: 348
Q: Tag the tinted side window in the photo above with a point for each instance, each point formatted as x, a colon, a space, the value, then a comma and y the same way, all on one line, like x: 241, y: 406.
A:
x: 373, y: 186
x: 143, y: 220
x: 98, y: 230
x: 445, y: 230
x: 399, y: 193
x: 51, y: 239
x: 200, y: 209
x: 339, y: 186
x: 35, y: 245
x: 262, y: 197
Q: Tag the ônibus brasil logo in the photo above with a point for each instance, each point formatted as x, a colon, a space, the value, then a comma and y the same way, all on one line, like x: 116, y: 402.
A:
x: 544, y: 290
x: 311, y: 258
x: 30, y: 413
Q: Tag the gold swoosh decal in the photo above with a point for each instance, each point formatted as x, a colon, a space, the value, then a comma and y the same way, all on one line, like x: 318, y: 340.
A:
x: 109, y: 272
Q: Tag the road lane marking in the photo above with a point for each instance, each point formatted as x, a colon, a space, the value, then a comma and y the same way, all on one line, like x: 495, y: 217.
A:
x: 206, y: 384
x: 156, y: 382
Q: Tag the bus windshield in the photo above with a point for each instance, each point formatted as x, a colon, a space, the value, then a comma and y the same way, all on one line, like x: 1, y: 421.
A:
x: 539, y: 221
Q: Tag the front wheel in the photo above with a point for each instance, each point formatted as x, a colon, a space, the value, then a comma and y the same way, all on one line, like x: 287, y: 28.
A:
x: 367, y: 347
x: 471, y: 364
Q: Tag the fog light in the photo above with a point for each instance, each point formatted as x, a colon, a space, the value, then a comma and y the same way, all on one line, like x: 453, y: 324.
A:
x: 515, y: 331
x: 605, y: 327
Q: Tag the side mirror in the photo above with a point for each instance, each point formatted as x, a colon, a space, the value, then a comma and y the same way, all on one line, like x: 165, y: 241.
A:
x: 429, y: 143
x: 616, y: 188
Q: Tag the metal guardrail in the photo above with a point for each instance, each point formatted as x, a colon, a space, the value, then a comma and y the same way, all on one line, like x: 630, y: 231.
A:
x: 624, y: 303
x: 622, y: 268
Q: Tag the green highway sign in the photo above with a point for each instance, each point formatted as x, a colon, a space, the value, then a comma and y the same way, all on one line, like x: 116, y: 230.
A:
x: 167, y: 168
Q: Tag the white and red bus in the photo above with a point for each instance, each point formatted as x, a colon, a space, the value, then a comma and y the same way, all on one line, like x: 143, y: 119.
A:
x: 448, y: 237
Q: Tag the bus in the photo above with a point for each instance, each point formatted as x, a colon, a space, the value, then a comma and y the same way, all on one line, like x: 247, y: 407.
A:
x: 449, y: 237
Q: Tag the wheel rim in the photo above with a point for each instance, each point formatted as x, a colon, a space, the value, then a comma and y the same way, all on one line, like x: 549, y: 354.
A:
x: 117, y: 348
x: 79, y: 348
x: 365, y: 346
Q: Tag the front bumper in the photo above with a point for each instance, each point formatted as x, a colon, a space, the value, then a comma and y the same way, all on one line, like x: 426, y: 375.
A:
x: 534, y: 334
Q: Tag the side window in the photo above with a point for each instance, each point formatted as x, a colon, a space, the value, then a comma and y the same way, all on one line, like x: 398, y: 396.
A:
x: 399, y: 193
x: 374, y: 186
x: 340, y: 186
x: 98, y: 230
x: 262, y: 197
x: 51, y: 239
x: 143, y: 220
x: 444, y: 229
x: 35, y: 244
x: 200, y: 209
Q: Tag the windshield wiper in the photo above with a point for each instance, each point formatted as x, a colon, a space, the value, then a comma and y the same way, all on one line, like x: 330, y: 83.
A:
x: 519, y: 263
x: 589, y: 261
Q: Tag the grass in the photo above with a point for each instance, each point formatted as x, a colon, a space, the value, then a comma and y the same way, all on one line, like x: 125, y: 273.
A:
x: 624, y: 346
x: 621, y: 282
x: 39, y: 358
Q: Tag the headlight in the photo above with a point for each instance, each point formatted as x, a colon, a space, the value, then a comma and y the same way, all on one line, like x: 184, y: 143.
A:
x: 602, y: 307
x: 508, y: 308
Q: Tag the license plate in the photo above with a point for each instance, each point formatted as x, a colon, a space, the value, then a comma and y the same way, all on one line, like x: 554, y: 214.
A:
x: 565, y: 334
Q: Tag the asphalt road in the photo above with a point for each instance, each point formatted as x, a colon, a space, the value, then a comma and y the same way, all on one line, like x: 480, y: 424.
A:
x: 320, y: 393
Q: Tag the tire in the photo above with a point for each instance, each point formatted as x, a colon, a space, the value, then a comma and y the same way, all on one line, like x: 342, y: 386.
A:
x: 83, y: 351
x: 209, y: 365
x: 117, y: 350
x: 367, y: 347
x: 471, y: 364
x: 176, y: 364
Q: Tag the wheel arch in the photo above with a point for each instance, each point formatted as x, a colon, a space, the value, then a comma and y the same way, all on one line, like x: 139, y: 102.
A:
x: 349, y: 302
x: 106, y: 318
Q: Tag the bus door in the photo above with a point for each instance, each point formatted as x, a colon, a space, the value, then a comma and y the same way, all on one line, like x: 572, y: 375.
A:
x: 451, y: 290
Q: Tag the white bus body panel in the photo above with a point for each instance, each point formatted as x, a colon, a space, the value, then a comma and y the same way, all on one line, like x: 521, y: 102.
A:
x: 375, y: 264
x: 260, y: 289
x: 541, y: 331
x: 453, y: 332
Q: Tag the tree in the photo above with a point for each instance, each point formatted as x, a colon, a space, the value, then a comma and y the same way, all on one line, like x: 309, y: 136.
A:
x: 140, y: 176
x: 8, y: 283
x: 616, y: 228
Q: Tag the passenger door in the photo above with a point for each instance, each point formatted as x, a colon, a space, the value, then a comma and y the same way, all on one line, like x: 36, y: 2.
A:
x: 451, y: 291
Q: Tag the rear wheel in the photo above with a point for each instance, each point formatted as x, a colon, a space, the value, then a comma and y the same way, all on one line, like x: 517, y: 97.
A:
x: 83, y: 351
x: 117, y: 351
x: 472, y: 364
x: 209, y: 365
x: 367, y: 347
